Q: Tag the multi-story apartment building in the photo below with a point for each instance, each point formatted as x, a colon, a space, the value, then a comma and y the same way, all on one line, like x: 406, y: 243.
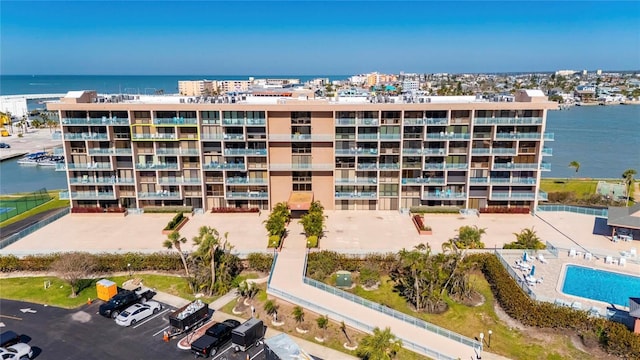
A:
x: 348, y: 153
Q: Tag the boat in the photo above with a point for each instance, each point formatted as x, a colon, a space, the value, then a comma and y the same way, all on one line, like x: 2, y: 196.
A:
x: 50, y: 160
x: 32, y: 159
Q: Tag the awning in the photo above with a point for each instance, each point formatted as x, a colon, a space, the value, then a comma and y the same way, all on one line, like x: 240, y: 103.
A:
x: 624, y: 217
x: 300, y: 200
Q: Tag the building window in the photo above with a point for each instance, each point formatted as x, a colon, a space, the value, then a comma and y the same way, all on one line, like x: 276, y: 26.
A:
x: 302, y: 187
x: 301, y: 148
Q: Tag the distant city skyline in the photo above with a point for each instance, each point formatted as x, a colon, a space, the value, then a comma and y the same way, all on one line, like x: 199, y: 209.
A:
x: 333, y: 37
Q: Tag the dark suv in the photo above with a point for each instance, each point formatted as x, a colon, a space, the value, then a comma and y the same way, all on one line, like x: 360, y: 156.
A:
x: 8, y: 338
x: 215, y: 336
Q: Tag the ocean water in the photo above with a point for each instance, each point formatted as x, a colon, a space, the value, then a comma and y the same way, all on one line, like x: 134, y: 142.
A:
x: 125, y: 84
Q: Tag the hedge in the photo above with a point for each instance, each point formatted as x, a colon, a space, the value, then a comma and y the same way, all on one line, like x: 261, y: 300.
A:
x: 106, y: 262
x: 167, y: 209
x: 434, y: 210
x: 260, y: 262
x: 614, y: 337
x: 274, y: 241
x: 505, y: 210
x: 175, y: 221
x: 234, y: 210
x: 312, y: 241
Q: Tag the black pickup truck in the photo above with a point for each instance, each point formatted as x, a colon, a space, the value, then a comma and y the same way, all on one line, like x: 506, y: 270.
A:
x: 215, y: 336
x: 123, y: 300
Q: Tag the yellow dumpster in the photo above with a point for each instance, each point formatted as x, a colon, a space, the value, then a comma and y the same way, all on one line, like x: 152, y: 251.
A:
x: 106, y: 289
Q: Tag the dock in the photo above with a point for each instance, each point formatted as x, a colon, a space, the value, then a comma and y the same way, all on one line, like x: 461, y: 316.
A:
x: 12, y: 155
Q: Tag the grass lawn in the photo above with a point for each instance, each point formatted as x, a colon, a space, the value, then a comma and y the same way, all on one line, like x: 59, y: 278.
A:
x: 54, y: 203
x: 579, y: 187
x: 471, y: 321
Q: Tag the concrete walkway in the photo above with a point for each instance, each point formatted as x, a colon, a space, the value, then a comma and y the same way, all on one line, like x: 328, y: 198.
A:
x: 287, y: 278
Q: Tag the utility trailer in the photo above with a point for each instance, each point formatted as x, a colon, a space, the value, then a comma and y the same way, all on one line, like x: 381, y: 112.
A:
x: 250, y: 333
x: 187, y: 318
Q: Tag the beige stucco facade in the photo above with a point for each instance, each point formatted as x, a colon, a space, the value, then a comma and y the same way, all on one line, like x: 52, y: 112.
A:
x: 353, y: 155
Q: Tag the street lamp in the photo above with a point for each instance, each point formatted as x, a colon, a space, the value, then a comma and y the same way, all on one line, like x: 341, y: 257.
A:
x: 490, y: 332
x: 481, y: 345
x: 129, y: 268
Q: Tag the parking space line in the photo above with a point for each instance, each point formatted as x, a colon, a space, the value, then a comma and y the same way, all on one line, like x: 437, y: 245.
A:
x: 161, y: 330
x: 222, y: 352
x: 258, y: 353
x: 151, y: 318
x: 10, y: 317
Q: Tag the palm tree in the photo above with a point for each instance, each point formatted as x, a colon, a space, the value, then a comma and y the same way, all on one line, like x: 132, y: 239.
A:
x: 271, y: 309
x: 381, y: 345
x: 208, y: 241
x: 174, y: 241
x: 526, y: 239
x: 298, y: 315
x: 574, y: 164
x: 628, y: 176
x: 323, y: 323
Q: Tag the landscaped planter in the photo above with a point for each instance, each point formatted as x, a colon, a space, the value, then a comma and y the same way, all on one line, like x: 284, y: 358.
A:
x: 177, y: 227
x: 419, y: 224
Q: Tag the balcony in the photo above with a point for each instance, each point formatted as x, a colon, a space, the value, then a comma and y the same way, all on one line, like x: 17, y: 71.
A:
x: 93, y: 195
x: 154, y: 136
x: 390, y: 136
x: 345, y: 122
x: 63, y: 195
x: 514, y: 166
x: 434, y: 151
x: 367, y: 136
x: 368, y: 122
x: 421, y: 181
x: 480, y: 151
x: 246, y: 181
x: 256, y: 122
x: 512, y: 196
x: 260, y: 152
x: 411, y: 151
x: 547, y: 151
x: 175, y: 121
x: 110, y: 151
x: 100, y: 180
x: 96, y: 121
x: 433, y: 166
x: 210, y: 121
x: 367, y: 166
x: 206, y: 136
x: 479, y: 180
x: 177, y: 151
x: 443, y: 195
x: 436, y: 121
x: 301, y: 166
x: 447, y: 136
x: 518, y: 136
x: 413, y: 121
x: 160, y: 195
x: 359, y: 151
x: 508, y: 121
x: 389, y: 166
x: 356, y: 181
x: 222, y: 166
x: 243, y: 195
x: 157, y: 166
x: 233, y: 122
x: 300, y: 137
x: 411, y: 164
x: 512, y: 181
x: 452, y: 166
x: 542, y: 196
x: 86, y: 136
x: 179, y: 181
x: 233, y: 137
x: 356, y: 195
x: 504, y: 151
x: 85, y: 166
x: 548, y: 136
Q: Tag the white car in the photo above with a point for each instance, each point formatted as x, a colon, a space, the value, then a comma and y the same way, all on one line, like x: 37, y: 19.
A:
x: 137, y: 312
x: 19, y: 351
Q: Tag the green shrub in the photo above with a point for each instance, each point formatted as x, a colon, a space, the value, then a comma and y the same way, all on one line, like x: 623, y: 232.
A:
x: 369, y: 276
x: 312, y: 241
x: 175, y: 222
x: 260, y: 262
x: 168, y: 209
x: 9, y: 263
x: 434, y: 210
x: 274, y: 241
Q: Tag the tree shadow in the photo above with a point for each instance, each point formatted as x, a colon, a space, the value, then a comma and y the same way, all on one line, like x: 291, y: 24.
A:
x: 83, y: 284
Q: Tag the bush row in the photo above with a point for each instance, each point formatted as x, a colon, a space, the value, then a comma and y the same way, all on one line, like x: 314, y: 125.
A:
x: 167, y: 209
x: 234, y: 210
x: 614, y: 337
x: 274, y: 241
x: 260, y: 262
x: 434, y: 210
x: 106, y: 263
x: 173, y: 224
x: 505, y: 210
x: 322, y: 264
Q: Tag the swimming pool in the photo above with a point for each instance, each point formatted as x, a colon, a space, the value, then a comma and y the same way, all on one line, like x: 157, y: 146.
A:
x: 606, y: 286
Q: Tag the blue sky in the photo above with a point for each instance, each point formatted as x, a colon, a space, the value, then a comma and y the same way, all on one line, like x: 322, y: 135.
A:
x: 304, y: 37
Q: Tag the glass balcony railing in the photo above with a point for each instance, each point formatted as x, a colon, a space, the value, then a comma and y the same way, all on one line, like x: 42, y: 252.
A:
x: 261, y: 152
x: 233, y: 136
x: 448, y: 136
x: 206, y: 136
x: 519, y: 136
x: 177, y: 151
x: 179, y: 181
x: 175, y: 121
x: 368, y: 122
x: 507, y: 121
x: 504, y: 151
x: 443, y: 195
x: 110, y: 151
x: 86, y: 136
x: 301, y: 166
x: 354, y: 151
x: 100, y: 180
x: 542, y: 195
x: 222, y: 166
x: 155, y: 136
x: 436, y: 121
x: 367, y: 136
x: 450, y: 166
x: 246, y: 181
x: 412, y: 151
x: 478, y: 180
x: 63, y: 195
x: 160, y: 194
x: 513, y: 195
x: 157, y: 166
x: 86, y: 166
x: 433, y: 166
x: 357, y: 181
x: 434, y: 151
x: 345, y: 122
x: 246, y: 195
x: 389, y: 136
x: 256, y: 122
x: 547, y: 151
x: 516, y: 166
x: 548, y: 136
x: 91, y: 195
x: 96, y: 121
x: 300, y: 137
x: 365, y: 166
x: 420, y: 181
x: 233, y: 121
x: 389, y: 166
x: 356, y: 194
x: 515, y: 181
x: 480, y: 151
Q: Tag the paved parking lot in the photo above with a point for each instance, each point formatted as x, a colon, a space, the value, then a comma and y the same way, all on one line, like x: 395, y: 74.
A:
x: 80, y: 334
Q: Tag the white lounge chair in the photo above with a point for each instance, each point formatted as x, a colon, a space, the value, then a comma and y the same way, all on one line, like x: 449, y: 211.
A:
x: 633, y: 253
x: 572, y: 252
x: 576, y: 305
x: 622, y: 261
x: 608, y: 260
x: 542, y: 259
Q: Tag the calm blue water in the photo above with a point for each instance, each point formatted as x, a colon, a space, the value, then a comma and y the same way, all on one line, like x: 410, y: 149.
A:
x: 20, y: 178
x: 128, y: 84
x: 606, y: 286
